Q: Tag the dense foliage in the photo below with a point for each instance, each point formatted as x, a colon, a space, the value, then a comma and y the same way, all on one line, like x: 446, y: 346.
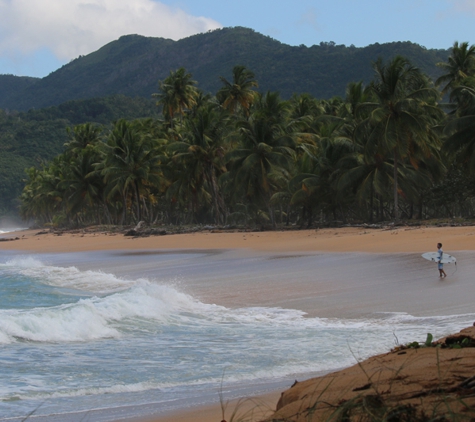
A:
x: 34, y: 137
x: 132, y: 65
x: 387, y: 150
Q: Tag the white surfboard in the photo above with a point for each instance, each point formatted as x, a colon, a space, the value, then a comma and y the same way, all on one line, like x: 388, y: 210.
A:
x: 434, y: 256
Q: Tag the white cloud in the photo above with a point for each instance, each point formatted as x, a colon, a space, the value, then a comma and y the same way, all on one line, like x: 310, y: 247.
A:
x: 310, y: 18
x: 463, y: 6
x: 72, y: 27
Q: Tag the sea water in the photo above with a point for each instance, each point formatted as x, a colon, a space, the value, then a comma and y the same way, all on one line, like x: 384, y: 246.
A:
x: 4, y: 230
x: 76, y: 340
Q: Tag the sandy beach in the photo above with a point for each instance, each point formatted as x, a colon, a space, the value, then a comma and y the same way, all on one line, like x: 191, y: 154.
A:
x: 399, y: 239
x: 363, y: 277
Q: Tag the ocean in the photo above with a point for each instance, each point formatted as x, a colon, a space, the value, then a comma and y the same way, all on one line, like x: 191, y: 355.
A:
x: 104, y: 336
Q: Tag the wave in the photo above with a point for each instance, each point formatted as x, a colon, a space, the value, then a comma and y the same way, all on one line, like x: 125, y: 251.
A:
x: 96, y: 317
x: 68, y: 277
x: 119, y: 306
x: 150, y: 305
x: 11, y: 229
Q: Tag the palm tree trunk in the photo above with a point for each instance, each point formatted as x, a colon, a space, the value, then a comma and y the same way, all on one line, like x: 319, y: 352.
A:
x: 137, y: 199
x: 304, y: 213
x: 396, y: 203
x: 124, y: 209
x: 272, y: 217
x: 107, y: 212
x: 220, y: 207
x: 371, y: 202
x: 310, y: 217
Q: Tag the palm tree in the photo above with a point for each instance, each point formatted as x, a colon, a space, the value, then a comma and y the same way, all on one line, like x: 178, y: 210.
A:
x: 83, y: 136
x: 130, y: 162
x: 459, y: 66
x: 460, y: 129
x: 264, y: 153
x: 42, y: 197
x: 356, y: 94
x: 401, y: 119
x: 201, y: 153
x: 304, y: 105
x: 239, y: 93
x: 177, y: 93
x: 83, y: 186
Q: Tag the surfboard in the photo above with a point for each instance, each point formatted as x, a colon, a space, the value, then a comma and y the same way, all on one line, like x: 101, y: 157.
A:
x: 434, y: 256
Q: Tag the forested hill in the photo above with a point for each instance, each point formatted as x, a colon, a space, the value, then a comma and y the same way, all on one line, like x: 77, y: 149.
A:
x: 30, y: 138
x: 12, y: 86
x: 133, y: 65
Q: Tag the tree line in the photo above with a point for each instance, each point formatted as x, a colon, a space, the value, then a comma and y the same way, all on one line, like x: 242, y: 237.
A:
x: 402, y: 147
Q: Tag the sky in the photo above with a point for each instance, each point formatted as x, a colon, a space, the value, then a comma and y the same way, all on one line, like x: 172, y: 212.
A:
x: 39, y: 36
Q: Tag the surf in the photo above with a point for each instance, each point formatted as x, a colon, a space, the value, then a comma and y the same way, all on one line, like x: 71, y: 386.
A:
x: 87, y: 337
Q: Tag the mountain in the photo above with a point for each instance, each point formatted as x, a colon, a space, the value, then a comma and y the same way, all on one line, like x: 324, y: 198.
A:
x: 11, y: 86
x: 133, y: 65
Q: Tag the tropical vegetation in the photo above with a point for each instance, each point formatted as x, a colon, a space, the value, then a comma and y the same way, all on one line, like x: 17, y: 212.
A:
x: 391, y: 150
x: 33, y: 138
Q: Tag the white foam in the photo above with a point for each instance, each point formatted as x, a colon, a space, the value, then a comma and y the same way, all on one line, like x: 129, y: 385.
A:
x: 113, y: 389
x: 11, y: 229
x: 70, y: 277
x: 24, y: 262
x: 100, y: 317
x: 109, y: 316
x: 66, y: 323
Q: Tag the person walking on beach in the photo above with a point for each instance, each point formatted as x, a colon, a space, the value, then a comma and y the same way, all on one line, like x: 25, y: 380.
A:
x: 440, y: 265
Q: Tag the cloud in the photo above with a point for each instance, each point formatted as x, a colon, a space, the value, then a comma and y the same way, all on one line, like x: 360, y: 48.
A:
x: 463, y: 6
x: 310, y: 18
x: 69, y: 28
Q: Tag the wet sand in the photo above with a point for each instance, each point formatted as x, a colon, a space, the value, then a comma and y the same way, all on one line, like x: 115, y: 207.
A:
x: 345, y: 273
x: 342, y: 273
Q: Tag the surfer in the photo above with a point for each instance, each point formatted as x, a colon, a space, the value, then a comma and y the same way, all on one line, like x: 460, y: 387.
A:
x: 440, y: 265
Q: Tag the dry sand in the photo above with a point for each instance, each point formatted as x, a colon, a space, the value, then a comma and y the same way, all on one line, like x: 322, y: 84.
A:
x: 401, y: 239
x: 421, y: 370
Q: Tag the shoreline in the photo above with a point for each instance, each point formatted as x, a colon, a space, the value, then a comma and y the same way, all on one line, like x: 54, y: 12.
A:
x: 400, y: 240
x: 351, y: 239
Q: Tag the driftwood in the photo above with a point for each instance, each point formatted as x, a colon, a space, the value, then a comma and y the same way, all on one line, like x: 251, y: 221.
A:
x: 145, y: 233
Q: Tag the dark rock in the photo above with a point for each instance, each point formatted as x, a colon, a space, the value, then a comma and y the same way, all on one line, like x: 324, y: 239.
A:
x: 158, y: 232
x: 8, y: 239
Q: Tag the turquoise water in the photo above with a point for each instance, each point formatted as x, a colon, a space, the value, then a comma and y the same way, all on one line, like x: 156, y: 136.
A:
x: 74, y: 339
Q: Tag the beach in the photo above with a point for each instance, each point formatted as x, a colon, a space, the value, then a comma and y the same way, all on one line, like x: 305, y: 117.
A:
x: 349, y: 274
x: 402, y: 239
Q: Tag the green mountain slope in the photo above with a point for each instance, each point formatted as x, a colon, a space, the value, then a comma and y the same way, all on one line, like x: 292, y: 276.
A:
x: 12, y: 86
x: 133, y: 65
x: 29, y: 138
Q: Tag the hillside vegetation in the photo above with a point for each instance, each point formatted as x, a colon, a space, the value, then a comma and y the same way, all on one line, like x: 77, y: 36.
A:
x: 133, y: 65
x: 34, y: 137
